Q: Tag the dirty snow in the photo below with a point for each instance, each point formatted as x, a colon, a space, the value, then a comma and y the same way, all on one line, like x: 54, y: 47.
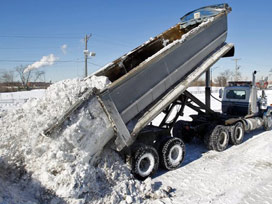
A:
x: 65, y: 167
x: 48, y: 173
x: 69, y: 166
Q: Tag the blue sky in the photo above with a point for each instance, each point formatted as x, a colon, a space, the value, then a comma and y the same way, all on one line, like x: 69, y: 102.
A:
x: 31, y: 29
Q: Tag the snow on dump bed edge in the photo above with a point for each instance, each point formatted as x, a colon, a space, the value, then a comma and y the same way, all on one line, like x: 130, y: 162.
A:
x: 183, y: 38
x: 58, y: 169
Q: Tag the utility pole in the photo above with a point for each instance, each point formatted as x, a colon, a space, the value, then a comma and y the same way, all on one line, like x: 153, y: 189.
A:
x: 212, y: 69
x: 86, y: 53
x: 236, y: 68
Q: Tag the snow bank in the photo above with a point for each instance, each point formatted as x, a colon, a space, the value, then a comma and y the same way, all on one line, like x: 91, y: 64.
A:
x: 65, y: 167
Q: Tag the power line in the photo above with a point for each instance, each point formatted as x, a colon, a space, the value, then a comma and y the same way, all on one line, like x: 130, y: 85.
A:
x: 26, y: 48
x: 39, y: 37
x: 106, y: 41
x: 95, y: 64
x: 261, y: 65
x: 117, y: 42
x: 15, y: 60
x: 61, y: 61
x: 97, y: 37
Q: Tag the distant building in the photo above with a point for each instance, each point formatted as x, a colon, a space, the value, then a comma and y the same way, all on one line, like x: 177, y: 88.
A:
x: 17, y: 86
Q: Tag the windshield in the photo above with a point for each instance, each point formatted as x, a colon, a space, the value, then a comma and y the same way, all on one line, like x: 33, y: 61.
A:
x: 203, y: 13
x: 236, y: 94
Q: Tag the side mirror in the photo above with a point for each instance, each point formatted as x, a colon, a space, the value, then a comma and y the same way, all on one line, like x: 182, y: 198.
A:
x: 221, y: 93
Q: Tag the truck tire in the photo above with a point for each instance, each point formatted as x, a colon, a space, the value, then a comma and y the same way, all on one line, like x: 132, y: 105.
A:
x: 237, y: 134
x: 268, y: 122
x: 218, y: 139
x: 145, y: 161
x: 172, y: 153
x: 208, y: 135
x: 246, y: 126
x: 180, y: 131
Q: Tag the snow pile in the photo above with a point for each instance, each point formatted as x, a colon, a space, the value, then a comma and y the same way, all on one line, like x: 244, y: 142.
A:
x: 61, y: 168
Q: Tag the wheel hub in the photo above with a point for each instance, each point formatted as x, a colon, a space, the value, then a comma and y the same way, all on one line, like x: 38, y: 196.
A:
x: 238, y: 133
x: 146, y: 164
x: 222, y: 138
x: 175, y: 155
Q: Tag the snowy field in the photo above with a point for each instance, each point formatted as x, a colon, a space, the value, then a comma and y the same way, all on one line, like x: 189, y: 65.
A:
x: 240, y: 174
x: 12, y: 100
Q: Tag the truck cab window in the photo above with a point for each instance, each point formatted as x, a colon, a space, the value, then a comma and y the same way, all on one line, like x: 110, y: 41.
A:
x: 236, y: 94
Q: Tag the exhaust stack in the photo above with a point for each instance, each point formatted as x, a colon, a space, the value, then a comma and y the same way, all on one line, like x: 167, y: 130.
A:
x: 254, y: 79
x: 254, y: 107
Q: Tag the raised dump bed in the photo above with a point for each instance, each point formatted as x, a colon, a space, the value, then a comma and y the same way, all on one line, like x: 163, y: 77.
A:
x: 150, y: 77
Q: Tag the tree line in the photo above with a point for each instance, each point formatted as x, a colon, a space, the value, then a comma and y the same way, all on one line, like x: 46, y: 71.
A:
x: 25, y: 79
x: 222, y: 79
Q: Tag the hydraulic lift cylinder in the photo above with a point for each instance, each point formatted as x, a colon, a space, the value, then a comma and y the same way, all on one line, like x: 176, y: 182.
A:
x: 208, y: 89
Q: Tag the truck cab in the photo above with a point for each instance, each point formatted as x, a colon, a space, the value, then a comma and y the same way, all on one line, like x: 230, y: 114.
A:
x: 239, y: 99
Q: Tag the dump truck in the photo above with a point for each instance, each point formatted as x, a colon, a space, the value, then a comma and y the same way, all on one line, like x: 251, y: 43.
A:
x: 242, y: 111
x: 151, y: 79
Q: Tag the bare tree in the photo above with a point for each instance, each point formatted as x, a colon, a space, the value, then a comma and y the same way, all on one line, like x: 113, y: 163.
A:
x: 237, y: 75
x: 7, y: 77
x: 27, y: 77
x: 224, y: 77
x: 199, y: 82
x: 24, y: 77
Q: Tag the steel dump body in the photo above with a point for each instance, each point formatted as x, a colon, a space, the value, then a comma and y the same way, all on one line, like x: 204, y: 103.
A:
x: 151, y: 80
x: 134, y: 92
x: 150, y: 77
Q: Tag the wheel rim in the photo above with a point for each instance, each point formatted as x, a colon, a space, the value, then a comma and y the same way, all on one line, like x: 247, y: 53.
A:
x: 146, y: 164
x: 175, y: 155
x: 223, y: 139
x: 238, y: 133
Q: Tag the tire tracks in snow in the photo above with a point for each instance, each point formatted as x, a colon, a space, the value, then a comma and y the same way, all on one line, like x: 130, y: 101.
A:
x: 241, y: 174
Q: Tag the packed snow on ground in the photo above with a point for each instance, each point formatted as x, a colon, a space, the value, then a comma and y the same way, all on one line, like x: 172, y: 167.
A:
x: 38, y: 169
x: 15, y: 99
x: 241, y: 174
x: 65, y: 167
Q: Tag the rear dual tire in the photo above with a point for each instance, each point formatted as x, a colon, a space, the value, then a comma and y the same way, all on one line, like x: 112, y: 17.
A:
x: 237, y: 134
x: 145, y: 161
x: 145, y: 158
x: 172, y: 153
x: 217, y: 139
